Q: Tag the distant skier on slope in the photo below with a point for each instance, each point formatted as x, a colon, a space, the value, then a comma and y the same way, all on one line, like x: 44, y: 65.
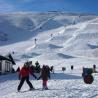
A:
x: 45, y: 74
x: 35, y: 40
x: 94, y: 68
x: 24, y: 76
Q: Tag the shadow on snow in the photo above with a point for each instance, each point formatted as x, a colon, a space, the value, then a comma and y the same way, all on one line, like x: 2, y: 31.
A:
x: 65, y: 76
x: 60, y: 76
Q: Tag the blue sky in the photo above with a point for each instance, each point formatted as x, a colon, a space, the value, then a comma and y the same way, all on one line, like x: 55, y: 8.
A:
x: 78, y: 6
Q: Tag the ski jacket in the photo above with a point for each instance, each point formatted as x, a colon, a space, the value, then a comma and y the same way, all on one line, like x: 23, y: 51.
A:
x: 45, y: 73
x: 24, y: 72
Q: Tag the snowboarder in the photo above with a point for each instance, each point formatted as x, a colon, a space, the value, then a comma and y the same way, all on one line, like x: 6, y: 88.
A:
x: 45, y: 74
x: 24, y: 76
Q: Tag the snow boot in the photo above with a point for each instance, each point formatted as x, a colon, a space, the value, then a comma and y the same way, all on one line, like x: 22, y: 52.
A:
x: 45, y: 88
x: 31, y: 89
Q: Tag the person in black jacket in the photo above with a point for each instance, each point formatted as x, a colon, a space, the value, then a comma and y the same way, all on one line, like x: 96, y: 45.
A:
x: 37, y: 67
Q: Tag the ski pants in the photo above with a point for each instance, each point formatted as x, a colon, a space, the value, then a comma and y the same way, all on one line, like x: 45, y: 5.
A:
x: 45, y: 83
x: 23, y: 79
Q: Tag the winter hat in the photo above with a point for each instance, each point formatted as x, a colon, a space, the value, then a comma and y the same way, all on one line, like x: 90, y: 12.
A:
x: 26, y: 64
x: 44, y: 66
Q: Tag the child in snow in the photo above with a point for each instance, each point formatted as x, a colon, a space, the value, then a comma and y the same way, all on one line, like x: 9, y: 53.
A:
x: 45, y: 74
x: 24, y: 76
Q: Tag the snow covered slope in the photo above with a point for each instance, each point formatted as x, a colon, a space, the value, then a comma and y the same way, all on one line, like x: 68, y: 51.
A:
x: 28, y: 24
x: 71, y: 33
x: 62, y: 40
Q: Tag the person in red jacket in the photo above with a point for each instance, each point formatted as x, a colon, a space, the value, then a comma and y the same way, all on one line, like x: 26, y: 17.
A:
x: 45, y: 74
x: 24, y: 76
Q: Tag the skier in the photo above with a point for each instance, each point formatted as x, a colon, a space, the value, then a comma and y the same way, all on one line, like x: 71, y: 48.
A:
x: 37, y: 66
x: 45, y: 74
x: 35, y: 40
x: 63, y: 69
x: 94, y: 68
x: 24, y: 76
x: 37, y: 63
x: 52, y: 69
x: 72, y: 67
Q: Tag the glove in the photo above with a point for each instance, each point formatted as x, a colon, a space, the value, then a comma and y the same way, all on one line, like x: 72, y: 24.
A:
x: 38, y: 78
x: 34, y: 76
